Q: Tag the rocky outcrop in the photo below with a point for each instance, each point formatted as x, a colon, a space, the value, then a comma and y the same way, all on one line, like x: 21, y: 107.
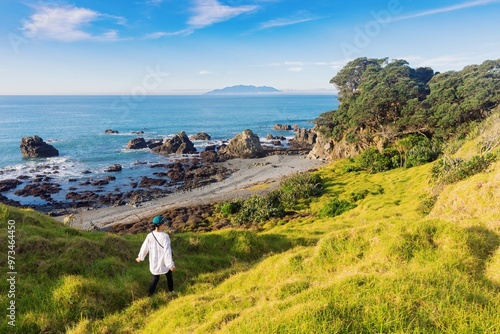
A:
x: 244, y: 145
x: 304, y: 138
x: 137, y: 144
x: 328, y: 149
x: 35, y: 147
x: 110, y: 131
x: 179, y: 144
x: 152, y: 143
x: 114, y: 168
x: 282, y: 127
x: 201, y: 136
x: 6, y: 185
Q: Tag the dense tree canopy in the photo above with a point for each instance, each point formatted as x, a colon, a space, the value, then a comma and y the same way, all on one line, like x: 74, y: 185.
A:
x: 385, y: 101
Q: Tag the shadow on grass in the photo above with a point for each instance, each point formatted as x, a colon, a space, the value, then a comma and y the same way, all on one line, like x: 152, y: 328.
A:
x: 210, y: 258
x: 482, y: 244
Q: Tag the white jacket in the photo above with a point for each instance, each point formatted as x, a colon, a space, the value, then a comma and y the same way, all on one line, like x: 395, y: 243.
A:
x: 160, y: 253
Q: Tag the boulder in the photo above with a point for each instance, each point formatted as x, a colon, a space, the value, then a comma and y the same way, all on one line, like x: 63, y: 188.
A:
x: 179, y: 144
x: 304, y: 138
x: 244, y: 145
x: 282, y: 127
x: 201, y: 136
x: 114, y: 168
x: 152, y: 143
x: 110, y: 131
x: 35, y: 147
x: 137, y: 144
x: 9, y: 184
x: 147, y: 182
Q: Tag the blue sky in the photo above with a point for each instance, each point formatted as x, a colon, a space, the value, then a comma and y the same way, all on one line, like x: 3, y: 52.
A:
x: 146, y: 47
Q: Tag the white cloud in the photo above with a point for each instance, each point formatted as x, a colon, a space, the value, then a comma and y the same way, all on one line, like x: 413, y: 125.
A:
x: 296, y: 69
x: 160, y: 34
x: 445, y: 9
x: 66, y: 23
x: 299, y: 17
x: 204, y: 72
x: 208, y: 12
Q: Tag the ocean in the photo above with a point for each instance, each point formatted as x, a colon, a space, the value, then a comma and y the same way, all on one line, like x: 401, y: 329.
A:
x: 75, y: 125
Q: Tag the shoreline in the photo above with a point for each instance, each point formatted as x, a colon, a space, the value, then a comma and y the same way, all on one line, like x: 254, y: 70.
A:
x: 252, y: 177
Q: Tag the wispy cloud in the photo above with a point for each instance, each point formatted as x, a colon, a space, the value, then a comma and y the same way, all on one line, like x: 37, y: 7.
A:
x: 206, y: 13
x: 204, y: 72
x: 295, y: 69
x: 66, y: 23
x: 300, y: 17
x: 160, y: 34
x: 445, y: 9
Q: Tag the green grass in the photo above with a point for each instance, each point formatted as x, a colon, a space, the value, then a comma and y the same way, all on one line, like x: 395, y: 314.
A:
x: 383, y: 266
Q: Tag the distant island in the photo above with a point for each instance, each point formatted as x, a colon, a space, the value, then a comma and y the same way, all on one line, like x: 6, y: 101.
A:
x: 243, y: 89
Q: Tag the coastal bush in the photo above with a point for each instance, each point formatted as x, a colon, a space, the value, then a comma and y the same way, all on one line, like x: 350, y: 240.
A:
x: 228, y: 208
x: 300, y: 186
x: 374, y: 161
x: 450, y: 170
x: 359, y: 195
x: 336, y: 207
x: 257, y: 209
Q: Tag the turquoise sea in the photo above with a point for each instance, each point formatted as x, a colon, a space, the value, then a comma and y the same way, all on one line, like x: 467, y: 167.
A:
x: 76, y: 125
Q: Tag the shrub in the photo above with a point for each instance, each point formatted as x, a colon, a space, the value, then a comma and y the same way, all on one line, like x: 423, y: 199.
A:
x: 228, y: 208
x: 300, y: 186
x: 449, y: 170
x: 257, y: 209
x: 336, y: 207
x: 359, y: 195
x: 374, y: 161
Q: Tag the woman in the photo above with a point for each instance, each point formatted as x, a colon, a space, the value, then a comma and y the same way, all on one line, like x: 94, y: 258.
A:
x: 157, y: 244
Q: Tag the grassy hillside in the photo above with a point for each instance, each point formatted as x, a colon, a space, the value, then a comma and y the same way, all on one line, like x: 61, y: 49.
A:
x: 382, y: 266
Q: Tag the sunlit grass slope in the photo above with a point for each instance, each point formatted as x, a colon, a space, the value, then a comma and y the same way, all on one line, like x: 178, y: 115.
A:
x: 381, y: 267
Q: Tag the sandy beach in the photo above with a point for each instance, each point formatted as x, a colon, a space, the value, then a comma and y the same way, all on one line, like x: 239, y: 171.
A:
x: 252, y: 176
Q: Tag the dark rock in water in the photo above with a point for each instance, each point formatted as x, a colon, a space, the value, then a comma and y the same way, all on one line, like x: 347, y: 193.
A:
x: 6, y: 185
x: 42, y: 190
x: 114, y: 168
x: 179, y: 144
x: 86, y: 172
x: 35, y: 147
x: 86, y: 196
x: 104, y: 181
x: 138, y: 132
x: 110, y: 131
x: 137, y: 144
x: 152, y: 143
x: 8, y: 201
x: 147, y: 182
x: 211, y: 148
x: 244, y: 145
x: 271, y: 137
x: 282, y: 127
x: 201, y: 136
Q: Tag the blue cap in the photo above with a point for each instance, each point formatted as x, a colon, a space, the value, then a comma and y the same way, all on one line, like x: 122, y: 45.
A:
x: 158, y: 220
